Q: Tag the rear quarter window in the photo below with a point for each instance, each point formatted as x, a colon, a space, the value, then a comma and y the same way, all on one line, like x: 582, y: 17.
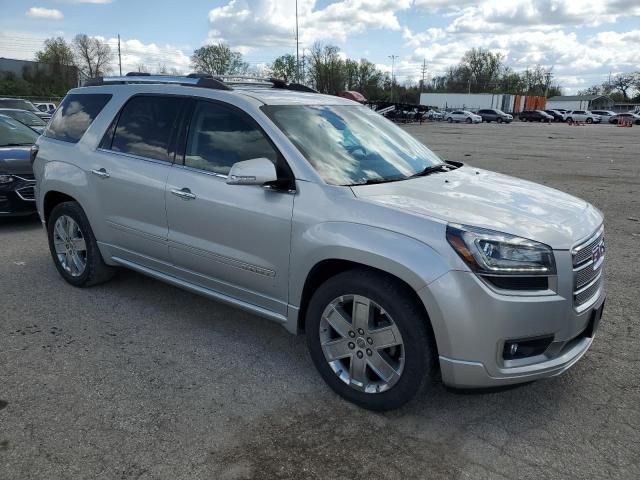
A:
x: 75, y: 115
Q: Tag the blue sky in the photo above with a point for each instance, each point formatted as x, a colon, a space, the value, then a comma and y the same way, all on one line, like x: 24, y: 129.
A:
x: 581, y: 41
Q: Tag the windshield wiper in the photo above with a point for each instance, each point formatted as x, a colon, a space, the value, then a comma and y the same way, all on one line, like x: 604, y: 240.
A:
x: 441, y: 167
x: 373, y: 181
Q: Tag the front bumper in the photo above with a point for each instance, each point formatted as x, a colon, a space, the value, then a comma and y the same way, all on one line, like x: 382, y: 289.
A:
x: 17, y: 198
x: 472, y: 322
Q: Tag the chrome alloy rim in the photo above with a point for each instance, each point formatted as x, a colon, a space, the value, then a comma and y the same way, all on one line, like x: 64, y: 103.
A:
x: 70, y: 246
x: 362, y: 344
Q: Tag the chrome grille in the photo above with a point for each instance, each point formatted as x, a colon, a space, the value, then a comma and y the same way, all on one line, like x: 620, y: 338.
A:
x: 587, y: 275
x: 27, y: 193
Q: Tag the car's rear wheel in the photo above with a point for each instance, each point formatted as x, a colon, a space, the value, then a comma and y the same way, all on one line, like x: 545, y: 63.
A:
x: 499, y: 120
x: 74, y: 248
x: 523, y: 119
x: 369, y: 339
x: 450, y: 120
x: 589, y: 120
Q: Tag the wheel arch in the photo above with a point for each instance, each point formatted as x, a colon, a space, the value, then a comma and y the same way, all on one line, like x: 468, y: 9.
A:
x: 330, y: 267
x: 51, y: 199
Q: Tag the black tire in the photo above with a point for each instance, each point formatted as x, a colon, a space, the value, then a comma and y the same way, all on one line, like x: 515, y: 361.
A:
x: 95, y: 271
x: 523, y: 119
x: 468, y: 120
x: 569, y: 120
x: 589, y: 121
x: 499, y: 120
x: 395, y: 298
x: 450, y: 120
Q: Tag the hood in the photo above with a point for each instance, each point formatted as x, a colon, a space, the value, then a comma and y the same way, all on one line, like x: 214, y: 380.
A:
x: 15, y: 160
x: 475, y: 197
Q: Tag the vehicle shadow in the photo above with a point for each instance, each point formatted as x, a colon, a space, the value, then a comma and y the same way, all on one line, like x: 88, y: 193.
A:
x: 24, y: 223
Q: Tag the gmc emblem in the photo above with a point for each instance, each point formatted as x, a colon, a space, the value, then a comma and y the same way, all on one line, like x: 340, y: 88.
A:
x: 597, y: 255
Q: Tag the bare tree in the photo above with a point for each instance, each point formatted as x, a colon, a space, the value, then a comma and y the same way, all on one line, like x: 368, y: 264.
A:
x: 623, y: 82
x: 93, y: 56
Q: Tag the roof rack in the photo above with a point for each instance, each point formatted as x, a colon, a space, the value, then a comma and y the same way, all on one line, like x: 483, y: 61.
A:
x: 135, y: 77
x: 221, y: 82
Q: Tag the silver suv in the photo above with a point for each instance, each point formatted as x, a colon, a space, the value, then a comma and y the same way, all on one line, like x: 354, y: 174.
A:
x: 319, y: 214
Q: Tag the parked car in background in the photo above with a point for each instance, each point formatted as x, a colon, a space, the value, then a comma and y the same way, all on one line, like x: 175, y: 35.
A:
x: 49, y: 108
x: 495, y: 115
x: 634, y: 118
x: 535, y: 116
x: 336, y: 223
x: 16, y: 175
x: 604, y: 115
x: 582, y: 116
x: 22, y: 104
x: 434, y: 115
x: 556, y: 114
x: 25, y: 117
x: 462, y: 116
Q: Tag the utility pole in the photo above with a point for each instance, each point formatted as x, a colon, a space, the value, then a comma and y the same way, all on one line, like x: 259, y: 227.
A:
x: 547, y: 82
x: 393, y: 61
x: 119, y: 56
x: 424, y: 72
x: 304, y: 63
x: 297, y: 47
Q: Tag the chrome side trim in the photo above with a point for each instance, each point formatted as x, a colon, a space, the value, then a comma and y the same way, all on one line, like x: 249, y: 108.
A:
x: 263, y: 312
x: 167, y: 163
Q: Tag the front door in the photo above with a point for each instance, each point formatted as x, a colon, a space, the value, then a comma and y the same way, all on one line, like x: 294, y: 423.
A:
x: 234, y: 239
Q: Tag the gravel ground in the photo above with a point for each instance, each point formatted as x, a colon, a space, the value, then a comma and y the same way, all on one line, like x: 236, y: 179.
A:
x: 137, y: 379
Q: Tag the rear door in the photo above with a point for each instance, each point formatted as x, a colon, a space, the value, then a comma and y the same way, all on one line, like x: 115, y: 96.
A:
x: 129, y: 174
x: 234, y: 239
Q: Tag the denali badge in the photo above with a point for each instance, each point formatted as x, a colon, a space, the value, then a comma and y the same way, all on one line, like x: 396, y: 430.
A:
x: 597, y: 255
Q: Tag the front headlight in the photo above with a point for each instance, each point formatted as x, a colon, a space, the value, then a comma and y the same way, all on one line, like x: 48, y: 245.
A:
x: 495, y: 253
x: 5, y: 179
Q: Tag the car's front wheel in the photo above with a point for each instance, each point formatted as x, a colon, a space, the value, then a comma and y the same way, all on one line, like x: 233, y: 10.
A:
x: 74, y: 248
x: 468, y: 120
x: 369, y: 340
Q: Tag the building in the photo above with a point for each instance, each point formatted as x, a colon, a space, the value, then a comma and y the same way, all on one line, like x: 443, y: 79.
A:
x: 39, y: 76
x: 580, y: 102
x: 476, y: 101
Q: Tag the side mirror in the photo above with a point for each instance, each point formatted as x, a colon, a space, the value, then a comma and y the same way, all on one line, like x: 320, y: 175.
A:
x: 256, y: 171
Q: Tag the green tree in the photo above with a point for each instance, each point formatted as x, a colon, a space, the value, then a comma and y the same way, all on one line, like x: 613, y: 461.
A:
x: 284, y: 67
x: 218, y: 60
x: 56, y: 51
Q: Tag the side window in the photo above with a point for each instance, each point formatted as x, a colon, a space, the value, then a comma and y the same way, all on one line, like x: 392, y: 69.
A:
x: 220, y: 136
x: 146, y: 125
x: 74, y: 116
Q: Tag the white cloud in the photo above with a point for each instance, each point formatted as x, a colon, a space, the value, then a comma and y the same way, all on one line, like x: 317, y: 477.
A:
x: 48, y: 13
x: 135, y: 53
x: 271, y: 23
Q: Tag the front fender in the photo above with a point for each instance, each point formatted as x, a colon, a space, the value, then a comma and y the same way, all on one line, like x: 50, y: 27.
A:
x: 412, y: 261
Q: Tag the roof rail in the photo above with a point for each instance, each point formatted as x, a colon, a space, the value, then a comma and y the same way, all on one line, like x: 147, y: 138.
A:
x: 205, y: 81
x: 221, y: 82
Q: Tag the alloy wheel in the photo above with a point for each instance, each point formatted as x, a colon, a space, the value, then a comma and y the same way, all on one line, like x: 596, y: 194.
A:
x: 362, y: 344
x: 70, y: 245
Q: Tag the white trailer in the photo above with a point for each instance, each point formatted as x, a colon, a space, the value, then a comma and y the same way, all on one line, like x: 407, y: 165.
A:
x: 465, y: 101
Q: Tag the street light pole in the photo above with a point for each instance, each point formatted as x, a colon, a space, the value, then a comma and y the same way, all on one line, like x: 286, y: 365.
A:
x: 393, y: 61
x: 297, y: 47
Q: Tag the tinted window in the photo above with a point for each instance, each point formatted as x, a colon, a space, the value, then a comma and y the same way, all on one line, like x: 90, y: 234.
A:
x: 74, y: 116
x: 220, y: 136
x: 145, y: 127
x: 17, y: 103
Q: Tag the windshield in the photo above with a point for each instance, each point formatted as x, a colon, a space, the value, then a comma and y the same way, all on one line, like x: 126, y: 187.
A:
x: 18, y: 103
x: 350, y: 145
x: 14, y: 133
x: 25, y: 117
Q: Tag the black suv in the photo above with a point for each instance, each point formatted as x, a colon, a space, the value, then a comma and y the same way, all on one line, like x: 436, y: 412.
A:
x: 556, y: 114
x: 535, y: 116
x: 494, y: 115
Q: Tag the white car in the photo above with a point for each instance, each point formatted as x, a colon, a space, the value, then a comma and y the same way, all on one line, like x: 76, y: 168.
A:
x: 582, y: 116
x: 434, y: 115
x: 463, y: 116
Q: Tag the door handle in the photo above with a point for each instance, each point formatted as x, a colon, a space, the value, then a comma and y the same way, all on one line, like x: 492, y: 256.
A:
x: 183, y: 193
x: 102, y: 173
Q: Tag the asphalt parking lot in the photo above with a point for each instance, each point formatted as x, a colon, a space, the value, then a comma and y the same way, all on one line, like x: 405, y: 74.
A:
x: 137, y: 379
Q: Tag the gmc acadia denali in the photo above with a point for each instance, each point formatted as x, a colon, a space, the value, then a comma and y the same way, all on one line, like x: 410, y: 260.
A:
x: 319, y: 214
